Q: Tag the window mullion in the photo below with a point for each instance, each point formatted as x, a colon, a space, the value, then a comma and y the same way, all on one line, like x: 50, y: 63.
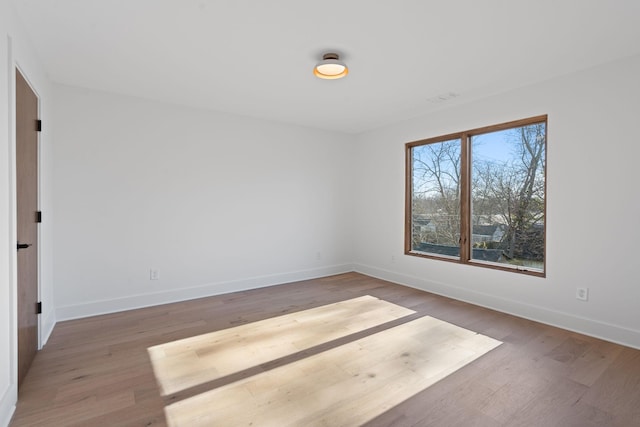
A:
x: 465, y: 199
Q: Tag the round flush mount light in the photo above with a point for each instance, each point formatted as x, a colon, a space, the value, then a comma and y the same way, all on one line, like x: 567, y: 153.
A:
x: 330, y: 67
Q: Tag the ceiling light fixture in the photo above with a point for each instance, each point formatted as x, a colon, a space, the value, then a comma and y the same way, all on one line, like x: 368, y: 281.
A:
x: 330, y: 67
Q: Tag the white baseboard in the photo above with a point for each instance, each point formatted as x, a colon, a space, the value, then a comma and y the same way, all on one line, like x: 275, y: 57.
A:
x: 593, y: 328
x: 146, y: 300
x: 8, y: 404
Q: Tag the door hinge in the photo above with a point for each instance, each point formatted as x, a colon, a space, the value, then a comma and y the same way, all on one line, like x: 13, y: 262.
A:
x: 38, y: 125
x: 39, y: 307
x: 39, y: 216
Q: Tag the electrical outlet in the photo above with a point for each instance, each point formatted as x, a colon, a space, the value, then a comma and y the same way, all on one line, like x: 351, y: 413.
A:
x: 319, y: 255
x: 153, y: 274
x: 582, y: 294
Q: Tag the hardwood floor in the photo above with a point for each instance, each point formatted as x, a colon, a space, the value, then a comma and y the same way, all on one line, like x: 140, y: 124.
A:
x: 98, y: 371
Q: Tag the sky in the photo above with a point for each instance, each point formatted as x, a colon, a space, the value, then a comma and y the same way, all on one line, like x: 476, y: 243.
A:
x: 492, y: 146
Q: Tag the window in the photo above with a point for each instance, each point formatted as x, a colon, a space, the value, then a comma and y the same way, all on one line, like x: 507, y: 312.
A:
x: 479, y: 197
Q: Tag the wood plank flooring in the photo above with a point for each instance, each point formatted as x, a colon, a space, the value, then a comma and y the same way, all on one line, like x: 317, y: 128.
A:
x: 344, y: 386
x: 98, y: 371
x: 186, y: 363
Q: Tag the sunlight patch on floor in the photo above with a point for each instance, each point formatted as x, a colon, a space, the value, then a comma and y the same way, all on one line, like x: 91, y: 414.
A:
x: 186, y: 363
x: 345, y: 386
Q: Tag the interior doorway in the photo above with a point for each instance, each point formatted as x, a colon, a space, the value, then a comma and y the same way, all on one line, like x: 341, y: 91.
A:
x: 27, y: 218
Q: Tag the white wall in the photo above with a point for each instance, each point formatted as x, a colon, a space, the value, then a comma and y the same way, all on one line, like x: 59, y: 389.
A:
x: 593, y: 205
x: 15, y: 50
x: 8, y: 392
x: 214, y: 202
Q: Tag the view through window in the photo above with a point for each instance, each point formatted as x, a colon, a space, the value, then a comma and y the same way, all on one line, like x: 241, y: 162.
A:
x: 478, y: 196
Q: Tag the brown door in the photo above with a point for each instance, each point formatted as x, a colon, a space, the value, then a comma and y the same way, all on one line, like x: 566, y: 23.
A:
x: 27, y: 206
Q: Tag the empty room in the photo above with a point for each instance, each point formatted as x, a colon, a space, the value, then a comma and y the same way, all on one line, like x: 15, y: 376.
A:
x: 338, y: 213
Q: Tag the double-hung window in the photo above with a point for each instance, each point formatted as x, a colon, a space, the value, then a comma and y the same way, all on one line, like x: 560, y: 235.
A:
x: 479, y: 197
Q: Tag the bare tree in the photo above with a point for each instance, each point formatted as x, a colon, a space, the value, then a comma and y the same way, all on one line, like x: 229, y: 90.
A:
x: 514, y: 190
x: 508, y: 191
x: 484, y: 181
x: 436, y: 189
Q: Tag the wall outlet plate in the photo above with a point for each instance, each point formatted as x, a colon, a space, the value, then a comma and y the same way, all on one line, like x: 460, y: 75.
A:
x: 582, y: 294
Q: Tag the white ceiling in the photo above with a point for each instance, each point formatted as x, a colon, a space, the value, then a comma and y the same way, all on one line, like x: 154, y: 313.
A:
x: 255, y: 57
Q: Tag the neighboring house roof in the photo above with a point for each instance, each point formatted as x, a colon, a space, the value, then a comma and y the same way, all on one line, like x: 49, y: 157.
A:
x: 421, y: 221
x: 493, y: 255
x: 487, y: 230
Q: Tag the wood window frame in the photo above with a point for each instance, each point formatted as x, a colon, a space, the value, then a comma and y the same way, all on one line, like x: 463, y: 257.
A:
x: 465, y: 195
